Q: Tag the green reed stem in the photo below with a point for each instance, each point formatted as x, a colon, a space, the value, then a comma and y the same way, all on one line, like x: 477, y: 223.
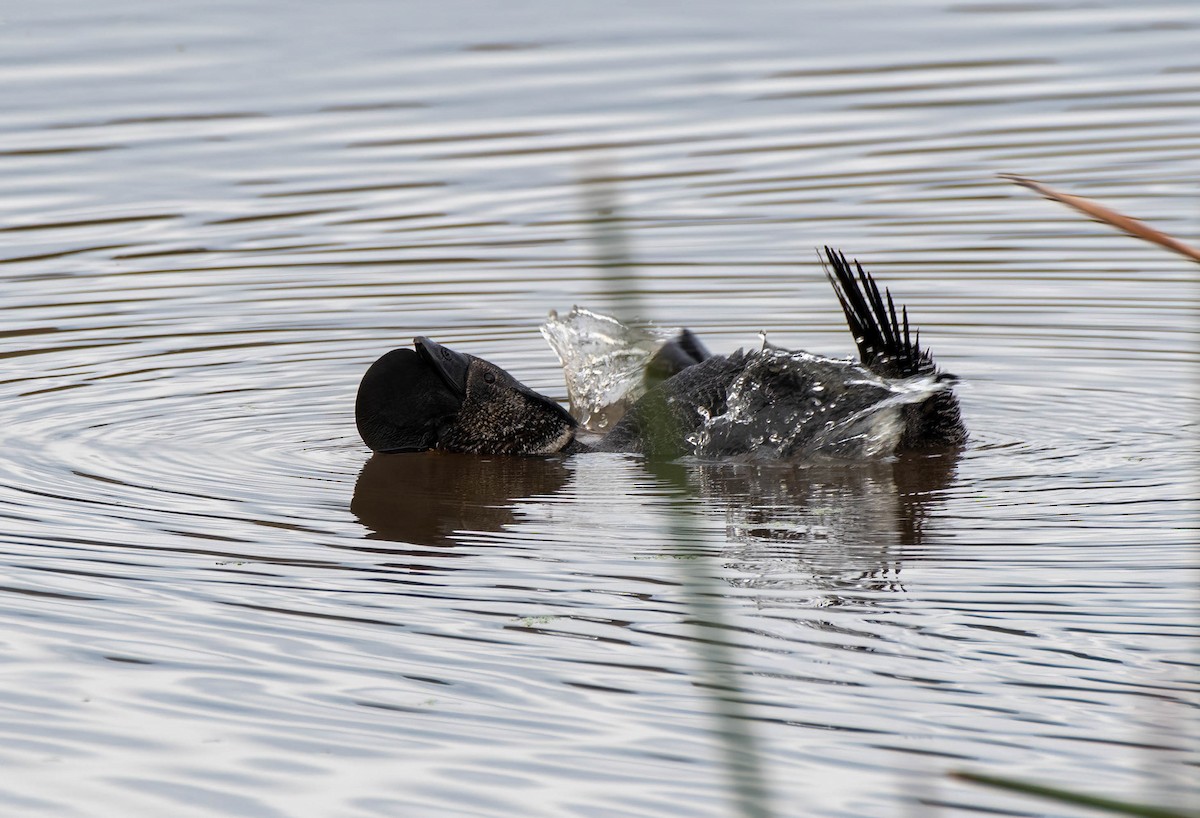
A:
x: 1072, y: 797
x: 618, y: 275
x: 718, y: 674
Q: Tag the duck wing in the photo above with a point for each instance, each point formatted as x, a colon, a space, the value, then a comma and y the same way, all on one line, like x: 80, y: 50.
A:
x: 885, y: 344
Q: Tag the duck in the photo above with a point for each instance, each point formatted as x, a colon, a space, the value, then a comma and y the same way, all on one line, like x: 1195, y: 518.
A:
x: 768, y: 403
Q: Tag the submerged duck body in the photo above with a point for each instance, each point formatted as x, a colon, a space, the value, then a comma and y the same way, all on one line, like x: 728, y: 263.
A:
x: 769, y: 403
x: 782, y: 405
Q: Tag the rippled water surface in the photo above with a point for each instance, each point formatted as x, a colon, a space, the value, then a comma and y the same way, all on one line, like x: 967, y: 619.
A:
x: 215, y: 216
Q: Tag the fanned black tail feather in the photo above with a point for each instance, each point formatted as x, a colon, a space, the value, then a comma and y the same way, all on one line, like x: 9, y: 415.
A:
x: 885, y: 345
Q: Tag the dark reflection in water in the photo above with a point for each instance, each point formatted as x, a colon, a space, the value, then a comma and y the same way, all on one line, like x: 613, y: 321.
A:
x: 885, y: 502
x: 835, y: 525
x: 829, y: 527
x: 425, y: 498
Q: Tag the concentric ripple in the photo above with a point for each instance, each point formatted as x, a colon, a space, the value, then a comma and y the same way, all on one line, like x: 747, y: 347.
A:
x: 216, y: 602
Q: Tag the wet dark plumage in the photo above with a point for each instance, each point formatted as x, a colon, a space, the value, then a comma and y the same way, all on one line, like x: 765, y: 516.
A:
x: 769, y: 402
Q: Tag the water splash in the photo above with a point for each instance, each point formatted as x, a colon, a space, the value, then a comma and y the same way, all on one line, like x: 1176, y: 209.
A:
x: 799, y: 406
x: 796, y: 405
x: 603, y: 362
x: 783, y: 405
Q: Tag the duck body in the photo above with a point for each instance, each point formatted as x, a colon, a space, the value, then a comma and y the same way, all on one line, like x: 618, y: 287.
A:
x: 769, y: 403
x: 776, y: 404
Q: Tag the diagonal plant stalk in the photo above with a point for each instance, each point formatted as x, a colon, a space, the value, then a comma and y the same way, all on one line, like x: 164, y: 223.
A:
x: 719, y: 674
x: 1099, y: 212
x: 1072, y: 797
x: 1141, y: 230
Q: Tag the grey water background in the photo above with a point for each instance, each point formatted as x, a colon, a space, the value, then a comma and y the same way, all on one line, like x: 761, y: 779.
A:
x: 214, y: 216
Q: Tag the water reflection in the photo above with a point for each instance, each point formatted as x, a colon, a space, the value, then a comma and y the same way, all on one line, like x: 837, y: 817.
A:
x: 888, y: 501
x: 210, y: 286
x: 425, y: 498
x: 830, y: 525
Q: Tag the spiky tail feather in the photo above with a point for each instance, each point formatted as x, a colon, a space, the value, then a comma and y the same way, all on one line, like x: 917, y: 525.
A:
x: 885, y: 344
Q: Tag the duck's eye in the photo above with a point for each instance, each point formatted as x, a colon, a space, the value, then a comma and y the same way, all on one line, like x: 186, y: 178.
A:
x: 489, y: 377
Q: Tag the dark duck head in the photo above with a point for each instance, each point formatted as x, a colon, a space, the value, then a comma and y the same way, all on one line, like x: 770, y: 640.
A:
x: 431, y: 397
x: 768, y: 403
